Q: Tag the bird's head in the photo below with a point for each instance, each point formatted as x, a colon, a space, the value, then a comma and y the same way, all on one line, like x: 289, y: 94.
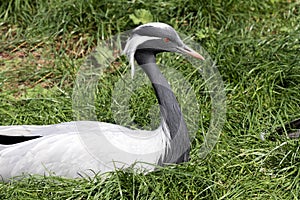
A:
x: 156, y: 37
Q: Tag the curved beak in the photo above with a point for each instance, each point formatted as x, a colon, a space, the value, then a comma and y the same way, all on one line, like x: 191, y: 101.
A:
x: 187, y: 50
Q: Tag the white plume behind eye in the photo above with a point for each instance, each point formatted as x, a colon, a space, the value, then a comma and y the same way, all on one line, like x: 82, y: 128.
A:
x: 131, y: 46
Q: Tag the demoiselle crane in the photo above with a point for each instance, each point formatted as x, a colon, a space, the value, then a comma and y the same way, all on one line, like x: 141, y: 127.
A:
x: 59, y: 150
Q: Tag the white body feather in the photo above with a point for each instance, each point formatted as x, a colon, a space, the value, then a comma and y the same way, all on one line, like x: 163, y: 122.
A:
x: 65, y: 150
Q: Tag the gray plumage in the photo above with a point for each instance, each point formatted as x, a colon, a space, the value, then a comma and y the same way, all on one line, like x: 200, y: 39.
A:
x: 59, y: 149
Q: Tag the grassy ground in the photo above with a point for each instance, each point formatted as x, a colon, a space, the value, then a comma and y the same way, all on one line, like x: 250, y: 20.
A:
x: 256, y: 46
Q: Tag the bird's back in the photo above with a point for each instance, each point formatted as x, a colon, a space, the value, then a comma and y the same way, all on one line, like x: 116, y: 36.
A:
x: 74, y: 148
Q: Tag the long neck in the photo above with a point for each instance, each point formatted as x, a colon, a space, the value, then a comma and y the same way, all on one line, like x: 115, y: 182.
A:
x: 169, y: 108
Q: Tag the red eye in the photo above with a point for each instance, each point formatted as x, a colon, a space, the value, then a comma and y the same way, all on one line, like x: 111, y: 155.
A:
x: 166, y: 39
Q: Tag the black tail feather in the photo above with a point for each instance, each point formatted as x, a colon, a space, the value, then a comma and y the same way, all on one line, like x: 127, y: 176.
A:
x: 7, y: 140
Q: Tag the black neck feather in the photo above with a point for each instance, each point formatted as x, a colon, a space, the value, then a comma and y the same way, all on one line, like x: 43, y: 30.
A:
x: 169, y: 107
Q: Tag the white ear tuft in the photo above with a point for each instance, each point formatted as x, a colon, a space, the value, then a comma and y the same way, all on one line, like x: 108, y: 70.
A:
x: 132, y: 44
x: 131, y: 61
x: 129, y: 51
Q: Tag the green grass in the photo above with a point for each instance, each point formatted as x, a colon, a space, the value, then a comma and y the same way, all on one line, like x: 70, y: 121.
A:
x: 255, y: 45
